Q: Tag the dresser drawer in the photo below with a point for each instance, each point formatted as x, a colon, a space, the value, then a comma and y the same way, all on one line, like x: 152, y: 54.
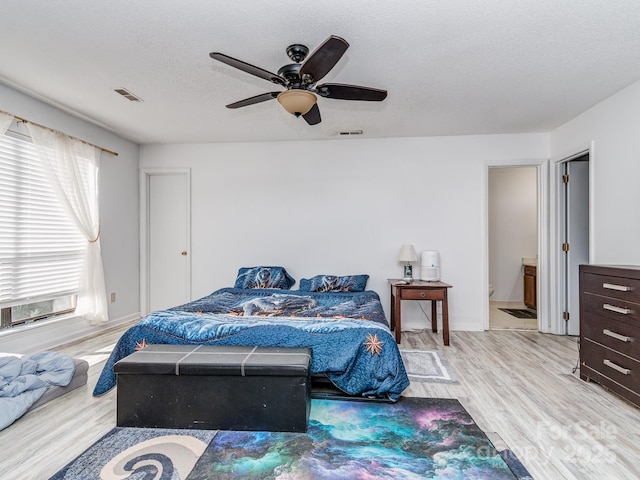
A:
x: 619, y: 368
x: 615, y: 308
x: 589, y: 374
x: 627, y: 289
x: 422, y: 294
x: 619, y: 336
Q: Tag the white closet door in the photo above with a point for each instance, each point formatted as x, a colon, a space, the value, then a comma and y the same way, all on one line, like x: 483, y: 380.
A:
x: 169, y: 272
x: 577, y: 236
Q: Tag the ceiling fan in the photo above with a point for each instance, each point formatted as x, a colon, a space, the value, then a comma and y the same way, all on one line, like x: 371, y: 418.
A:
x: 300, y: 80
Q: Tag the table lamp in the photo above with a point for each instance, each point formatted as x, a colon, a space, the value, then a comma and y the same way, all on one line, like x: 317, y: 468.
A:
x: 408, y: 255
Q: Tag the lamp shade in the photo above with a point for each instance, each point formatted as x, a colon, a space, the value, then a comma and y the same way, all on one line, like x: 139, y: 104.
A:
x: 407, y: 254
x: 296, y: 101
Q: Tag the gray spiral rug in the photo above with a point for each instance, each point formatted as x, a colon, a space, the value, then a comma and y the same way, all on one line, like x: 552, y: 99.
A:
x: 412, y: 438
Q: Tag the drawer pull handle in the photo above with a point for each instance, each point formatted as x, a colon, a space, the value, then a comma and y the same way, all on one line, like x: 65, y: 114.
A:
x: 615, y: 335
x: 613, y: 286
x: 616, y: 367
x: 422, y: 294
x: 613, y: 308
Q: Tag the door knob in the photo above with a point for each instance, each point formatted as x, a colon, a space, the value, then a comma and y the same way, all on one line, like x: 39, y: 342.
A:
x: 184, y: 253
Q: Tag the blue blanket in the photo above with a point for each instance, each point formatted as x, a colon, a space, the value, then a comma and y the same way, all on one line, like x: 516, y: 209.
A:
x: 347, y: 333
x: 23, y: 380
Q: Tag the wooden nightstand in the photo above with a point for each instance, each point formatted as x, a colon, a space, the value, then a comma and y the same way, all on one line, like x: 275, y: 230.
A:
x: 420, y: 290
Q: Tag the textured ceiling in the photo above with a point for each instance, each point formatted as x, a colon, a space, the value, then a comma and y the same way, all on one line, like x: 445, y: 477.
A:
x: 451, y: 67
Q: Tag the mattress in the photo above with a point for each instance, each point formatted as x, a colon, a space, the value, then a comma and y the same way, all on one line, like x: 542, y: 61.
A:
x: 79, y: 379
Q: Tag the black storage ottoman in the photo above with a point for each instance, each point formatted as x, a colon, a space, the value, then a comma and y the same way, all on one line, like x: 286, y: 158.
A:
x: 215, y: 388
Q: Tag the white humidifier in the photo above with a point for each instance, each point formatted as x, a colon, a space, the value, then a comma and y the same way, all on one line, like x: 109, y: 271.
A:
x: 430, y: 266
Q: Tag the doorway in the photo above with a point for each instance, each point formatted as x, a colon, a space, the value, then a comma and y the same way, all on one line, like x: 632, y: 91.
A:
x: 165, y: 238
x: 513, y: 220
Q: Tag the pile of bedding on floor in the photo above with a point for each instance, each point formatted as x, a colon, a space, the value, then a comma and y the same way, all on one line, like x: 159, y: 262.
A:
x: 24, y: 379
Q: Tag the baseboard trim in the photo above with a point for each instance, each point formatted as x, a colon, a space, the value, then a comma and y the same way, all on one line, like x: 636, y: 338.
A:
x: 48, y: 335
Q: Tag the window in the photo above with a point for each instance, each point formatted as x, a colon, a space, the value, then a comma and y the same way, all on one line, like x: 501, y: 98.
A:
x: 41, y: 250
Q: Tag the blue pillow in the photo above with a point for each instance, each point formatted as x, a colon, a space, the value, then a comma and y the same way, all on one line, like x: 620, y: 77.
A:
x: 334, y: 283
x: 264, y: 277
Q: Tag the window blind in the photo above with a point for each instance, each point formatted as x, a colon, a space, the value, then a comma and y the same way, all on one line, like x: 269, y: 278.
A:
x: 41, y: 250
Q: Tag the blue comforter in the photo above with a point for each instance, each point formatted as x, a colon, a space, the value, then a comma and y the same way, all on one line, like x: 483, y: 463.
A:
x: 347, y: 333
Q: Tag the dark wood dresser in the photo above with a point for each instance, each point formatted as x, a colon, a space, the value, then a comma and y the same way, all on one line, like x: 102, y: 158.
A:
x: 610, y: 328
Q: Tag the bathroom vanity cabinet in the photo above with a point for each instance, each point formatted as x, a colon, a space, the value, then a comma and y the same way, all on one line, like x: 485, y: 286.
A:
x: 530, y: 294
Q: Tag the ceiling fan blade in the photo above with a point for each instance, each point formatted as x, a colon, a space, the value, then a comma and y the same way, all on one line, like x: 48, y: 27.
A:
x: 340, y: 91
x: 246, y: 67
x: 324, y: 58
x: 263, y: 97
x: 312, y: 117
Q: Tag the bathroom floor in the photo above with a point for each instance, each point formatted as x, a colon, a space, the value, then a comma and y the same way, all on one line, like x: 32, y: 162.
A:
x: 499, y: 320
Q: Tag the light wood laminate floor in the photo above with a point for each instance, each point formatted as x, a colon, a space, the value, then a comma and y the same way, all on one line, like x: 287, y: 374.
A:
x: 518, y: 386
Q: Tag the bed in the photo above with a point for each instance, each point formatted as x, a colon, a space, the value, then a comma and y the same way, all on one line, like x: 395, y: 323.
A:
x: 341, y: 322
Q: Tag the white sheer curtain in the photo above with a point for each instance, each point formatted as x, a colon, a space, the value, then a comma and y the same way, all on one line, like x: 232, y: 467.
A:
x: 5, y: 121
x: 73, y: 168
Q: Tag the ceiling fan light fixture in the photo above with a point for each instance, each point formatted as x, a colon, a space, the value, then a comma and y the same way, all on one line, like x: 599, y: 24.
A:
x: 296, y: 101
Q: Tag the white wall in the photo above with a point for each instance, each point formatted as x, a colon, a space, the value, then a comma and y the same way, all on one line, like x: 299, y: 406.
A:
x: 346, y: 206
x: 513, y: 229
x: 614, y: 128
x: 119, y: 212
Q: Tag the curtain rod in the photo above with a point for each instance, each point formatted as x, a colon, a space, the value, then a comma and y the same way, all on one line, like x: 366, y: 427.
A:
x: 105, y: 150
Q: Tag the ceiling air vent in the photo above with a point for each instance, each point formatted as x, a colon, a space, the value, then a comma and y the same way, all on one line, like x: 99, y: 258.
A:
x: 350, y: 132
x: 127, y: 94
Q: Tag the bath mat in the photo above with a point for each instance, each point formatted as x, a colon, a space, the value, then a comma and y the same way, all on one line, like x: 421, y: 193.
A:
x: 521, y: 312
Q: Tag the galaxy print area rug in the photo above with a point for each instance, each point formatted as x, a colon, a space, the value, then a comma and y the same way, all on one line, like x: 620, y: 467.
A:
x: 413, y: 438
